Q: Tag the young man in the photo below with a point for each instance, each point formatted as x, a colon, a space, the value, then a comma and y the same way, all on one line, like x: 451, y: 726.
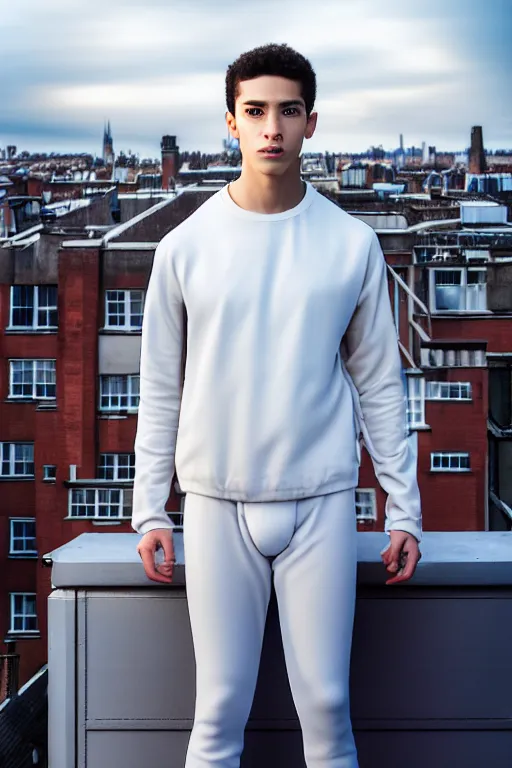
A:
x: 291, y: 351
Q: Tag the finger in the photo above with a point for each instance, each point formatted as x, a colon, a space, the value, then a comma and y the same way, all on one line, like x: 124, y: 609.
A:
x: 405, y: 573
x: 167, y: 545
x: 148, y: 560
x: 385, y: 553
x: 165, y: 568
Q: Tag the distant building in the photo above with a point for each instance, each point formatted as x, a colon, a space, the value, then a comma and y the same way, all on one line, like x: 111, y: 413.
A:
x: 108, y: 146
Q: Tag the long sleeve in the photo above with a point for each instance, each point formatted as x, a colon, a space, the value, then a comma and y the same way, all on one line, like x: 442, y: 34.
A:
x: 372, y: 358
x: 160, y: 395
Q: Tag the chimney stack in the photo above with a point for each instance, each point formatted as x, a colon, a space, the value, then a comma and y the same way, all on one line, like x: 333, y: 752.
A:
x: 9, y: 672
x: 477, y: 162
x: 170, y: 161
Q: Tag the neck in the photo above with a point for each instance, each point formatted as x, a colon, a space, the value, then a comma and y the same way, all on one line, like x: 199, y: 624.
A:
x: 268, y: 194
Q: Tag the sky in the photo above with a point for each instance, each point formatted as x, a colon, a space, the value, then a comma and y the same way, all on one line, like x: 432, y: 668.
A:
x: 429, y: 70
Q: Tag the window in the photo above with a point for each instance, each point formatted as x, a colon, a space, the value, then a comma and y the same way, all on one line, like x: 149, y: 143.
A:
x: 22, y: 538
x: 16, y: 459
x: 448, y: 390
x: 458, y: 289
x: 35, y: 379
x: 124, y: 309
x: 100, y: 502
x: 119, y: 393
x: 449, y: 462
x: 49, y: 472
x: 116, y: 466
x: 33, y: 307
x: 366, y: 504
x: 415, y: 401
x: 23, y: 612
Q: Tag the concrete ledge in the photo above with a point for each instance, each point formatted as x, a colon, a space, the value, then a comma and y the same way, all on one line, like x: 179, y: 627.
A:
x: 466, y: 558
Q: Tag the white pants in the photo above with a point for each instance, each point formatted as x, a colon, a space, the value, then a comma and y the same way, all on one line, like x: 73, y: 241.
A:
x: 228, y: 575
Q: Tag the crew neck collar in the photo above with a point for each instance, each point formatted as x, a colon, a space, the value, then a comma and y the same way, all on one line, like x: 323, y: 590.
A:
x: 257, y: 216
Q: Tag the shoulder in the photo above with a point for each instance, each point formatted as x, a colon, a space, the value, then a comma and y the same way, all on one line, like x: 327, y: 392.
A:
x: 193, y: 212
x: 348, y: 224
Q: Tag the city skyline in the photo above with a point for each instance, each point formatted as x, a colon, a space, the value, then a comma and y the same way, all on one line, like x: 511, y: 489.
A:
x: 428, y: 73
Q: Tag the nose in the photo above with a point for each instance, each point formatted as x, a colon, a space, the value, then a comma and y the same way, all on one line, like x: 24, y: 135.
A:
x: 273, y: 124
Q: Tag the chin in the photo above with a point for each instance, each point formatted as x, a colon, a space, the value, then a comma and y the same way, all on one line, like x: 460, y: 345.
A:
x: 279, y: 169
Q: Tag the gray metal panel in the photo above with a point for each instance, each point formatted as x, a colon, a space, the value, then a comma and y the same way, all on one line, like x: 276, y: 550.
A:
x: 449, y: 558
x: 81, y: 681
x: 135, y: 749
x: 435, y: 749
x: 274, y: 749
x: 139, y: 657
x: 61, y: 679
x: 432, y: 658
x: 118, y: 354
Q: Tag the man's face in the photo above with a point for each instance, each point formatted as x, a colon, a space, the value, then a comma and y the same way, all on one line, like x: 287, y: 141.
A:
x: 262, y: 119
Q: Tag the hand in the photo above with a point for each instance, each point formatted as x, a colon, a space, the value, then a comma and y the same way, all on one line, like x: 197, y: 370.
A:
x: 159, y: 538
x: 401, y: 556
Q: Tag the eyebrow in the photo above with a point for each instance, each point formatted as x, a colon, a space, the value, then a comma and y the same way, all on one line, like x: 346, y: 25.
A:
x: 292, y: 103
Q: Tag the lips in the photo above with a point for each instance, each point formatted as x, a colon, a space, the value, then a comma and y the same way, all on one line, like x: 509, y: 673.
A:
x: 271, y: 151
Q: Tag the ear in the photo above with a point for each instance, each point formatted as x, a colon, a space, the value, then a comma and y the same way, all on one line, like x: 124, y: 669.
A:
x: 311, y: 125
x: 231, y: 123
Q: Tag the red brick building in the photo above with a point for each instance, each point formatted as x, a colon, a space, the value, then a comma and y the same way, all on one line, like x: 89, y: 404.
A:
x: 71, y: 305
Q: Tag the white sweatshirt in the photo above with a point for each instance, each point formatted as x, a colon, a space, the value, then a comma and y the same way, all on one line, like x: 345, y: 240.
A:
x: 291, y: 353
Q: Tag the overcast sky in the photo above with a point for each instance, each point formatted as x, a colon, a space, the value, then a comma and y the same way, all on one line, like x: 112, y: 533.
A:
x: 429, y: 70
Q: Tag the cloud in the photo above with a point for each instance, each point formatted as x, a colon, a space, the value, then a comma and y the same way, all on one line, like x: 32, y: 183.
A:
x: 159, y: 67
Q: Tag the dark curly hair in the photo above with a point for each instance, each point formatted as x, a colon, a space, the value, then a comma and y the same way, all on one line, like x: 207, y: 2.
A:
x: 271, y: 59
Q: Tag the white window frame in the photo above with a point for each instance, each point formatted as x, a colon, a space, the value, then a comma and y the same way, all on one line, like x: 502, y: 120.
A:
x: 442, y: 390
x: 415, y: 396
x: 96, y: 500
x: 46, y: 476
x: 448, y: 457
x: 36, y: 307
x: 12, y: 460
x: 463, y: 286
x: 125, y: 297
x: 24, y: 614
x: 131, y: 392
x: 371, y: 504
x: 13, y: 521
x: 39, y: 366
x: 120, y: 461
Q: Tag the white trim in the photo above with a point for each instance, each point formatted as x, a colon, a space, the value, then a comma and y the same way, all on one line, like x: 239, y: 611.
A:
x: 373, y: 504
x: 35, y: 308
x: 92, y: 243
x: 33, y: 679
x: 130, y: 246
x: 126, y: 301
x: 115, y: 468
x: 129, y: 379
x: 12, y: 459
x: 26, y: 233
x: 11, y: 630
x: 450, y: 455
x: 463, y: 287
x: 136, y: 219
x: 96, y: 516
x: 34, y: 395
x: 415, y: 397
x: 47, y: 466
x: 464, y: 386
x: 20, y: 552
